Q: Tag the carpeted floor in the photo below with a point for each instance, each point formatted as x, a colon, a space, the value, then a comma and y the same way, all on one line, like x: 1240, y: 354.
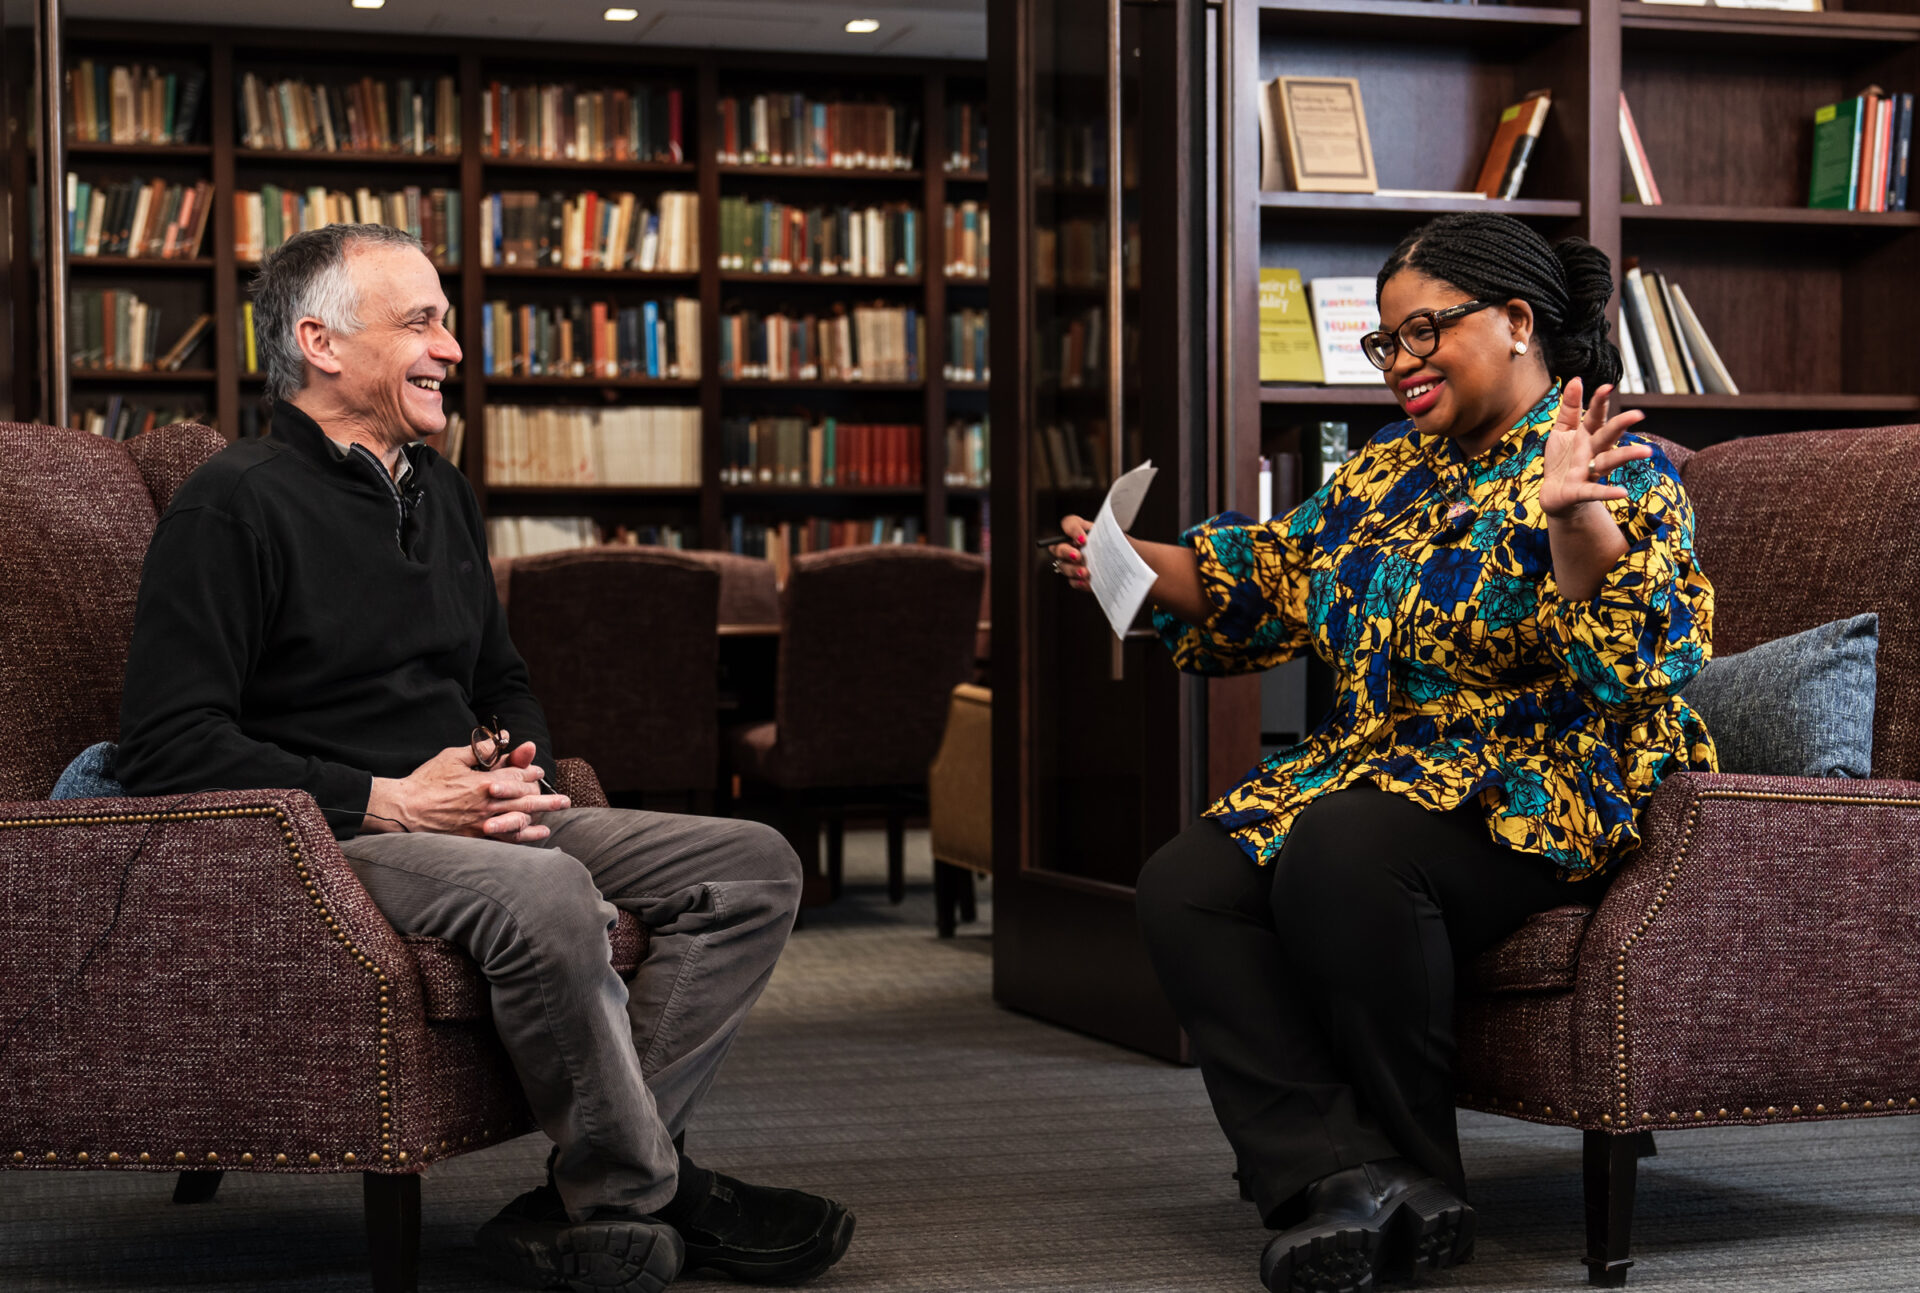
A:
x: 986, y: 1151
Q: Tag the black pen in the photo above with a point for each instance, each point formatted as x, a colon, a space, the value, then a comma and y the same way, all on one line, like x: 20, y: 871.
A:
x: 1051, y: 540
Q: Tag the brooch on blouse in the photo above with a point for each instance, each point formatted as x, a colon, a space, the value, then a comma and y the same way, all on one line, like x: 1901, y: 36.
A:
x: 1458, y: 511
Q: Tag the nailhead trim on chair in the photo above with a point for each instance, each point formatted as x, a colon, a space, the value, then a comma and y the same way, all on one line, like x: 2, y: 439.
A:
x: 1653, y: 910
x: 313, y: 893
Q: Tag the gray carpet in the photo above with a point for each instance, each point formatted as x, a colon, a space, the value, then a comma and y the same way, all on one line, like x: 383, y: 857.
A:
x: 986, y: 1151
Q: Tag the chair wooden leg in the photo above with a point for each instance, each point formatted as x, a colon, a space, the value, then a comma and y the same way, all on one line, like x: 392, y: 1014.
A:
x: 393, y: 1230
x: 967, y: 912
x: 1610, y: 1168
x: 946, y: 880
x: 836, y: 852
x: 896, y: 855
x: 1647, y: 1148
x: 196, y: 1187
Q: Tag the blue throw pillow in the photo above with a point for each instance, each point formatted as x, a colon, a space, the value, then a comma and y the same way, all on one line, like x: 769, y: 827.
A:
x: 90, y: 776
x: 1798, y: 706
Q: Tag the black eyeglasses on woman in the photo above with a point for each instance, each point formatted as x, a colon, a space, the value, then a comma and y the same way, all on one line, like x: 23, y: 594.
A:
x: 1418, y: 334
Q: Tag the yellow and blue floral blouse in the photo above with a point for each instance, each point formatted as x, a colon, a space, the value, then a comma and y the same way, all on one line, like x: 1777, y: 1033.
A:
x: 1425, y: 581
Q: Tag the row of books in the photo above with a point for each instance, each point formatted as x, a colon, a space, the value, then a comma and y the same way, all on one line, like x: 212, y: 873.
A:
x: 796, y: 130
x: 875, y: 241
x: 601, y: 339
x: 368, y: 115
x: 967, y: 137
x: 967, y: 353
x: 137, y: 218
x: 969, y: 464
x: 1663, y: 346
x: 867, y: 343
x: 537, y: 445
x: 249, y: 339
x: 966, y: 234
x: 531, y: 536
x: 450, y: 442
x: 263, y: 219
x: 641, y: 123
x: 121, y: 103
x: 1075, y: 255
x: 114, y: 329
x: 589, y: 230
x: 1070, y: 455
x: 781, y: 541
x: 122, y: 419
x: 1862, y: 149
x: 1311, y: 332
x: 1074, y: 155
x: 828, y: 453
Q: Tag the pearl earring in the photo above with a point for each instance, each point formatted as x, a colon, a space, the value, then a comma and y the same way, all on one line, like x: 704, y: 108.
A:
x: 1519, y: 347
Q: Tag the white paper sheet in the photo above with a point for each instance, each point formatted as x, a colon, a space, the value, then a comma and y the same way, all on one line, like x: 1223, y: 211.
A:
x: 1119, y: 578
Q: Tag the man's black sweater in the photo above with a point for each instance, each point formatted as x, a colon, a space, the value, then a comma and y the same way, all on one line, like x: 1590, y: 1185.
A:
x: 293, y: 631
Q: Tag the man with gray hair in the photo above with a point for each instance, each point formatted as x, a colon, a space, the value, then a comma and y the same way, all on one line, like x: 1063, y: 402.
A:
x: 316, y: 611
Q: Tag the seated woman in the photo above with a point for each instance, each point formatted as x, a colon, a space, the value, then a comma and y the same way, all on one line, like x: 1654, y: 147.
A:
x: 1505, y: 588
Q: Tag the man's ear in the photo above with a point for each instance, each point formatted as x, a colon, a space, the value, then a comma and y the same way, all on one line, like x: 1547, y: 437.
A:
x: 316, y: 345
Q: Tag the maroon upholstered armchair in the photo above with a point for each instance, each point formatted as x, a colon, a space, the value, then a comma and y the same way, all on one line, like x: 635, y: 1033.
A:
x: 622, y: 644
x: 199, y: 984
x: 873, y: 641
x: 1756, y: 960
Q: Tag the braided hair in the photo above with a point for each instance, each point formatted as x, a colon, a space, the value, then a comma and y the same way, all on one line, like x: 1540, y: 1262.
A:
x: 1494, y: 257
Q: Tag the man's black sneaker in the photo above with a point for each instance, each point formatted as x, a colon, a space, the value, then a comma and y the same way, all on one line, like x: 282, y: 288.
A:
x: 762, y: 1235
x: 537, y: 1245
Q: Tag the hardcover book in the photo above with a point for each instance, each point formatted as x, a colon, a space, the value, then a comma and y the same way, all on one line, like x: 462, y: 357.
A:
x: 1325, y: 127
x: 1289, y: 351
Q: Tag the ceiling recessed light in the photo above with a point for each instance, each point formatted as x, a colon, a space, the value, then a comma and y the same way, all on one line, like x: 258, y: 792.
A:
x: 369, y: 4
x: 622, y: 15
x: 861, y: 26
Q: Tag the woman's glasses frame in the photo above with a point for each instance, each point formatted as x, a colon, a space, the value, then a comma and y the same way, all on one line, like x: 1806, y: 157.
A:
x: 1382, y: 347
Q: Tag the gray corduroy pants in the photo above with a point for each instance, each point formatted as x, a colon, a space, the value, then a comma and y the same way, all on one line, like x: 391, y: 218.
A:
x: 612, y: 1070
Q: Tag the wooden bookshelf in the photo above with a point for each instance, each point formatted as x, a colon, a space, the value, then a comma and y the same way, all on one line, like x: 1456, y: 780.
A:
x: 217, y: 281
x: 1803, y: 305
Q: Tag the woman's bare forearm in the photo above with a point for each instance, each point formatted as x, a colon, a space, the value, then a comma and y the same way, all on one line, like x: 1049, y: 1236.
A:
x: 1176, y: 587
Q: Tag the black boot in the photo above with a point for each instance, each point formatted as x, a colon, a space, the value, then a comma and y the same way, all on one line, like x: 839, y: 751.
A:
x: 1386, y: 1219
x: 755, y: 1233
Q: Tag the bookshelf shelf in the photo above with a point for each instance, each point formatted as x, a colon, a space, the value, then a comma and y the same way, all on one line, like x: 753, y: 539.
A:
x: 1327, y: 395
x: 140, y: 264
x: 549, y: 491
x: 823, y: 280
x: 595, y: 383
x: 1696, y: 213
x: 1782, y: 403
x: 259, y: 379
x: 274, y: 156
x: 966, y: 177
x: 1372, y: 204
x: 817, y: 172
x: 1417, y: 20
x: 78, y: 148
x: 968, y: 280
x: 1644, y: 25
x: 569, y: 164
x: 764, y: 384
x: 144, y: 375
x: 820, y: 491
x: 590, y: 275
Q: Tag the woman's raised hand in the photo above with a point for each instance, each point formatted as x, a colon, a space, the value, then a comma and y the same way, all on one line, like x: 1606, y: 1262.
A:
x: 1068, y: 559
x: 1582, y: 448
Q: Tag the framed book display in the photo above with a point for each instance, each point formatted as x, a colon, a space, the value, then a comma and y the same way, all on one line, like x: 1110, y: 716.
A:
x: 1325, y: 128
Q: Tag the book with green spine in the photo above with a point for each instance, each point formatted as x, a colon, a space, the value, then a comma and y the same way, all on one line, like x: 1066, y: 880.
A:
x: 1836, y: 155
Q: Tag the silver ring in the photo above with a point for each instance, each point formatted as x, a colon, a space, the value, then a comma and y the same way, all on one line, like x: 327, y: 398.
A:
x: 1056, y: 567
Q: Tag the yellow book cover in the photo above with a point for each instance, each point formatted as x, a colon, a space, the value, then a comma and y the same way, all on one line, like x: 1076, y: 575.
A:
x: 1288, y: 349
x: 253, y: 348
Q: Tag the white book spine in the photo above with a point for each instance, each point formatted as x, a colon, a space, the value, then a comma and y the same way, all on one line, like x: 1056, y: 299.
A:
x: 1637, y: 299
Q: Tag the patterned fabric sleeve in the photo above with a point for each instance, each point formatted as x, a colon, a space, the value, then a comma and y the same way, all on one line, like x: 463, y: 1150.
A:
x: 1254, y: 578
x: 1646, y: 632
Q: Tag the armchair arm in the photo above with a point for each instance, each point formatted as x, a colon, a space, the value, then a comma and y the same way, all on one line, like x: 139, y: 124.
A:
x: 194, y: 979
x: 1754, y: 960
x: 576, y: 779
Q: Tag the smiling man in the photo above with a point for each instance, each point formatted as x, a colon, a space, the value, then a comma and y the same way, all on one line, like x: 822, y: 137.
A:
x: 316, y: 612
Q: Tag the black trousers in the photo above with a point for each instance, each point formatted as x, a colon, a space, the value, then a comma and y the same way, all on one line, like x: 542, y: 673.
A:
x: 1318, y: 991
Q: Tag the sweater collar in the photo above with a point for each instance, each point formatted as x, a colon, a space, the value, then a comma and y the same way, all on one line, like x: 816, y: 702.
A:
x: 293, y: 427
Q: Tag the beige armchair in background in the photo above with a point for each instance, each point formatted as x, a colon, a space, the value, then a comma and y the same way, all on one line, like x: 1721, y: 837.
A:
x: 960, y: 804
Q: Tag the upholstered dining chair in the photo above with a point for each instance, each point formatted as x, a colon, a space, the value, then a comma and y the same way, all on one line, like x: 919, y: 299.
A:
x: 872, y: 641
x: 198, y: 984
x: 622, y: 645
x: 1757, y: 960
